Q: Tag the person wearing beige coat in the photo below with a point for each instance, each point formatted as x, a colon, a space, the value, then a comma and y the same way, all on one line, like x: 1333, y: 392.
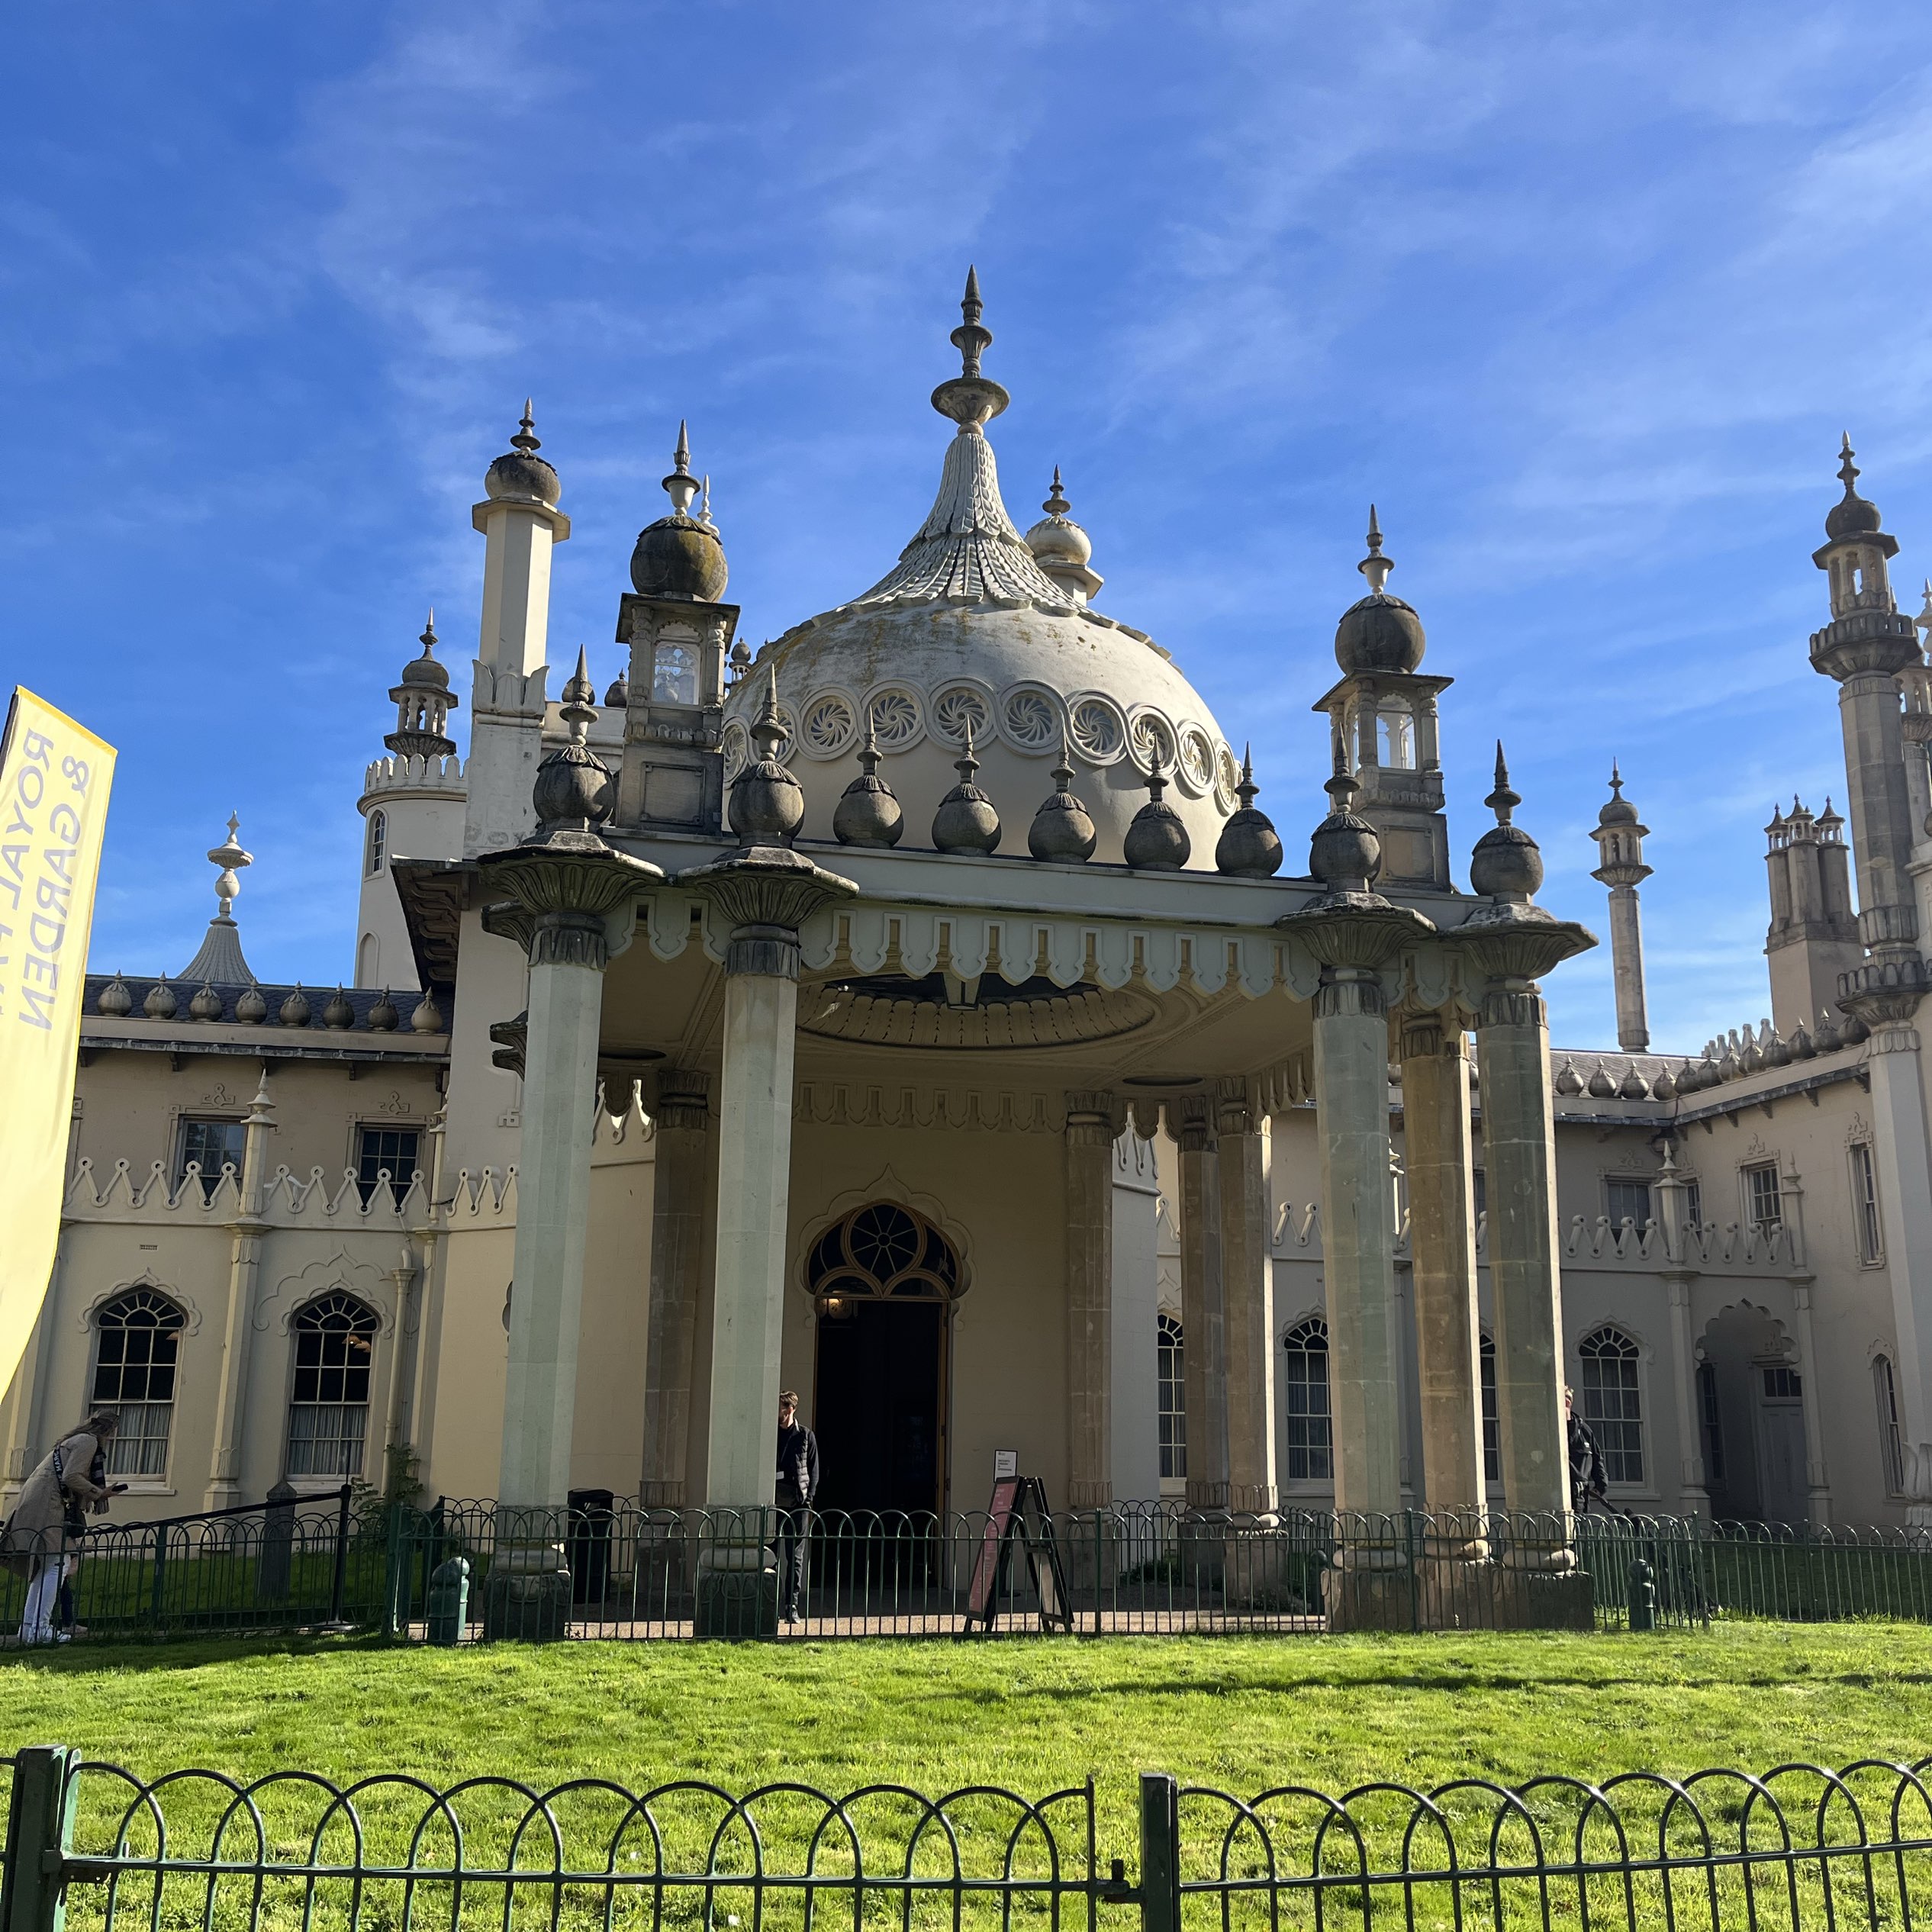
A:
x: 33, y: 1542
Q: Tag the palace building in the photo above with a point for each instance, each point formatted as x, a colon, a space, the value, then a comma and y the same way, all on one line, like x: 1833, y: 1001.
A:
x: 920, y: 1012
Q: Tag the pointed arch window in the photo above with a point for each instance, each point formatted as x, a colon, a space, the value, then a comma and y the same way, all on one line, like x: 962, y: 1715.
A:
x: 1173, y: 1361
x: 880, y: 1249
x: 1891, y: 1441
x: 377, y: 843
x: 1612, y: 1402
x: 1309, y: 1439
x: 137, y: 1344
x: 329, y: 1404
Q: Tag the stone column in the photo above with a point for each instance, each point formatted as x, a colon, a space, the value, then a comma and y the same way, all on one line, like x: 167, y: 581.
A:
x: 245, y: 1232
x: 763, y: 896
x: 678, y: 1212
x: 1202, y: 1311
x: 1434, y: 1058
x: 1694, y: 1496
x: 1247, y: 1299
x: 1518, y: 1156
x: 1091, y: 1128
x: 1817, y: 1481
x: 1358, y: 1233
x: 565, y: 898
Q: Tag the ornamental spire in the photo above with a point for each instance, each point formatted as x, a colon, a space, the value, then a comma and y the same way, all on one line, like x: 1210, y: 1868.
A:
x: 971, y: 399
x: 1375, y: 566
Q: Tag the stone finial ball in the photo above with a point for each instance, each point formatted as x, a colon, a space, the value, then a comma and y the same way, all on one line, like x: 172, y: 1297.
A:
x: 766, y: 804
x: 1344, y: 848
x: 868, y: 814
x: 679, y: 557
x: 1249, y: 847
x: 1379, y: 634
x: 572, y: 788
x: 1062, y: 833
x: 1506, y: 863
x: 516, y: 473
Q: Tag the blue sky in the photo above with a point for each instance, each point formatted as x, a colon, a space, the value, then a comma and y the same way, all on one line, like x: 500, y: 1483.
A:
x: 1581, y: 297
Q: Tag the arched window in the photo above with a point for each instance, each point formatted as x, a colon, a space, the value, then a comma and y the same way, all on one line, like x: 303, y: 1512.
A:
x: 1395, y: 735
x: 880, y: 1249
x: 673, y: 674
x: 1891, y: 1443
x: 1305, y: 1376
x: 378, y: 841
x: 138, y: 1340
x: 1172, y: 1360
x: 329, y: 1407
x: 1611, y: 1404
x: 1486, y: 1369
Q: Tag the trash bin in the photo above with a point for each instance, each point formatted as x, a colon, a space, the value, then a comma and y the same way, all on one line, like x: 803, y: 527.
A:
x: 587, y: 1546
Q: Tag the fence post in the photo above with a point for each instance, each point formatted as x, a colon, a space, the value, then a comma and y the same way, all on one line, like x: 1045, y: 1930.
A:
x: 396, y: 1570
x: 1160, y: 1853
x: 40, y: 1833
x: 339, y: 1583
x: 157, y: 1595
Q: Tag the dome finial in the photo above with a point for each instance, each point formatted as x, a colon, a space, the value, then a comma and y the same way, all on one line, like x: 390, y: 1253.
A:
x: 578, y: 708
x: 966, y: 820
x: 1375, y: 566
x: 1616, y: 779
x: 1502, y: 801
x: 1062, y: 833
x: 1345, y: 853
x: 1057, y: 505
x: 971, y: 399
x: 1249, y: 846
x: 1847, y: 469
x: 970, y: 338
x: 428, y: 639
x: 520, y: 472
x: 1156, y: 840
x: 680, y: 486
x: 525, y: 439
x: 867, y: 814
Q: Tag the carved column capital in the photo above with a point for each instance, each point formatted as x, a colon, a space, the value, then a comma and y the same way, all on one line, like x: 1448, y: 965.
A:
x: 1350, y: 993
x: 560, y: 899
x: 683, y: 1098
x: 1434, y: 1034
x: 1095, y: 1119
x: 1191, y: 1118
x: 765, y: 895
x: 1519, y: 943
x: 1234, y: 1105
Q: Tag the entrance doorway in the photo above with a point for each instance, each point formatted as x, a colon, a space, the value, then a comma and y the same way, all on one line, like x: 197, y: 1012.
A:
x: 884, y: 1279
x: 1751, y: 1400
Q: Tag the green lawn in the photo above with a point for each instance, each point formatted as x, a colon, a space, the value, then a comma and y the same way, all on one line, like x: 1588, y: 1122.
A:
x: 1241, y: 1712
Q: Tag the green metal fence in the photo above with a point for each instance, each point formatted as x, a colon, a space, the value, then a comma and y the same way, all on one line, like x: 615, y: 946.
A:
x: 94, y: 1847
x: 611, y: 1568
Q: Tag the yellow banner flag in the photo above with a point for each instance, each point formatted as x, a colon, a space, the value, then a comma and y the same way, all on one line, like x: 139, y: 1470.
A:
x: 54, y: 779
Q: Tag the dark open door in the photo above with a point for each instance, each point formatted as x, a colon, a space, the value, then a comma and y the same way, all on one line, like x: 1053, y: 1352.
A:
x: 876, y: 1408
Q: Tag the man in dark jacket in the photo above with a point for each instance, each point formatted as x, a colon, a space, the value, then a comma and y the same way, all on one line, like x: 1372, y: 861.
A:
x: 1587, y: 1473
x: 798, y: 1484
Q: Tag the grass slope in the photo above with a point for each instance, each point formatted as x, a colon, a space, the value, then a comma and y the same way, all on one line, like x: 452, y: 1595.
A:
x: 1033, y: 1715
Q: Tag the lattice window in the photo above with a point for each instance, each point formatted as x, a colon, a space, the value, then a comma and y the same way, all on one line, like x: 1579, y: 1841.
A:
x: 1612, y: 1405
x: 1864, y: 1204
x: 1310, y: 1440
x: 1625, y: 1199
x: 673, y: 674
x: 1172, y: 1357
x: 137, y: 1349
x: 396, y: 1151
x: 881, y: 1249
x: 1491, y: 1414
x: 1761, y: 1201
x: 1891, y: 1441
x: 329, y: 1407
x: 210, y: 1145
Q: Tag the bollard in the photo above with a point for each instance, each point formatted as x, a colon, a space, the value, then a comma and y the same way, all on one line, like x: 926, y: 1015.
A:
x: 1643, y: 1596
x: 449, y: 1608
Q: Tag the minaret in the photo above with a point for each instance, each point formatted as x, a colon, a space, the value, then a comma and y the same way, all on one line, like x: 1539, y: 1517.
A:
x: 1383, y: 714
x: 1620, y: 838
x: 412, y: 806
x: 1864, y: 648
x: 1813, y: 938
x: 520, y: 523
x: 679, y: 632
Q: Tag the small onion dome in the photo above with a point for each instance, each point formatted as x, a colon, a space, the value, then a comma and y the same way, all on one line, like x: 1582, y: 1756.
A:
x: 867, y: 814
x: 1852, y: 515
x: 251, y: 1009
x: 573, y: 788
x: 1506, y: 863
x: 1249, y: 847
x: 1803, y: 1047
x: 116, y: 999
x: 618, y: 698
x: 160, y: 1003
x: 1618, y: 810
x: 1157, y: 841
x: 680, y: 556
x: 1345, y: 852
x: 1634, y: 1086
x: 1379, y: 633
x: 520, y: 471
x: 1854, y: 1031
x: 206, y: 1004
x: 1778, y: 1053
x: 1061, y: 548
x: 428, y: 1016
x: 1827, y: 1034
x: 383, y: 1015
x: 1663, y: 1088
x: 1601, y: 1086
x: 294, y: 1009
x: 339, y: 1013
x: 424, y: 671
x: 1062, y: 833
x: 767, y: 805
x: 1569, y: 1082
x: 966, y: 821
